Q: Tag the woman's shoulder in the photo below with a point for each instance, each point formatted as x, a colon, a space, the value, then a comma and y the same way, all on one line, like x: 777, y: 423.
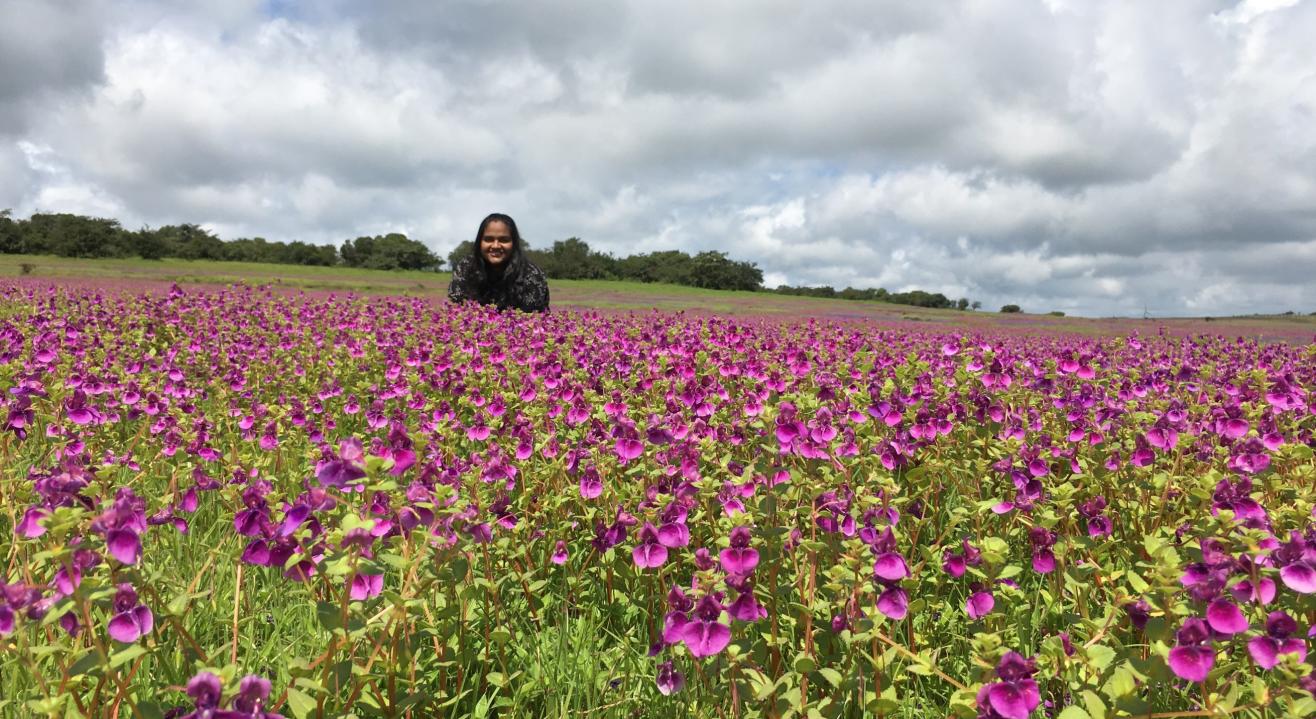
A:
x: 531, y: 270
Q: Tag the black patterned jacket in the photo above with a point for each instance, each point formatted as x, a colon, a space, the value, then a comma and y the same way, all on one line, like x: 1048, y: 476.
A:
x: 527, y: 291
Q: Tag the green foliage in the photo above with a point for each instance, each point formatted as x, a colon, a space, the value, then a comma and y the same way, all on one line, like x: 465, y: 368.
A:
x: 1010, y: 309
x: 394, y: 251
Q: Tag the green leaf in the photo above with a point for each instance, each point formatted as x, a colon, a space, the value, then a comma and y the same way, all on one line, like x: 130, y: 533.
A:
x: 1073, y: 711
x: 328, y: 615
x: 919, y: 669
x: 1100, y: 655
x: 497, y: 679
x: 832, y: 676
x: 85, y: 664
x: 1095, y: 707
x: 123, y: 656
x: 1121, y: 683
x: 300, y: 704
x: 805, y: 664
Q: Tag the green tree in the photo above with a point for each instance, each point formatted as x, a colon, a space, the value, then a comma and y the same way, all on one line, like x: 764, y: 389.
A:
x: 148, y: 244
x: 1009, y: 309
x: 69, y: 235
x: 394, y: 251
x: 192, y: 242
x: 11, y: 235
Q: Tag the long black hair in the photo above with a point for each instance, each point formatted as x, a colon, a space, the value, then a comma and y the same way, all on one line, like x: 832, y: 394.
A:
x: 484, y: 276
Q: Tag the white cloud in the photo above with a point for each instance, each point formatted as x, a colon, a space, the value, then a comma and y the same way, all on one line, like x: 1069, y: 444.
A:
x: 1089, y: 157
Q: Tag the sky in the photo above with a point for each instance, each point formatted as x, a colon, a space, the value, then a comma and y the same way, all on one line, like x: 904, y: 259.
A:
x: 1093, y: 157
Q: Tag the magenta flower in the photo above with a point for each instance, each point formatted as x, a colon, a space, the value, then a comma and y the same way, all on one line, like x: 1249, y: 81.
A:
x: 678, y: 616
x: 628, y: 449
x: 704, y: 635
x: 124, y: 545
x: 1193, y: 656
x: 649, y: 554
x: 739, y: 558
x: 890, y: 566
x: 1297, y: 560
x: 1016, y: 695
x: 132, y: 620
x: 979, y: 604
x: 893, y: 602
x: 1261, y: 593
x: 1279, y: 639
x: 30, y: 525
x: 366, y: 586
x: 249, y: 702
x: 206, y: 691
x: 348, y: 467
x: 1225, y: 617
x: 670, y: 681
x: 590, y: 485
x: 559, y: 553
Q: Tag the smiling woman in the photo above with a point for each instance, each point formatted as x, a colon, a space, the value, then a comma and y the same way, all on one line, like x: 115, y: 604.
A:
x: 497, y: 271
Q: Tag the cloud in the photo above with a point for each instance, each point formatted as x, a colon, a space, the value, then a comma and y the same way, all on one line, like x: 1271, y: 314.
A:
x: 51, y: 52
x: 1090, y: 157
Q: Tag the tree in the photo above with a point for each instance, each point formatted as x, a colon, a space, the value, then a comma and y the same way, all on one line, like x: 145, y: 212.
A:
x: 148, y: 244
x: 962, y: 303
x: 1011, y: 309
x: 461, y: 252
x: 713, y: 270
x: 977, y: 305
x: 394, y: 251
x: 11, y: 236
x: 69, y: 235
x: 192, y: 242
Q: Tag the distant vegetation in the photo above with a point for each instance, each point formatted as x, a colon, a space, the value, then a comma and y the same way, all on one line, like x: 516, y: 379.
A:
x: 69, y: 235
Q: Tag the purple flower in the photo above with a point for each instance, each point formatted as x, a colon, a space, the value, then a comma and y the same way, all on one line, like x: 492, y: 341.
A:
x: 1193, y: 658
x: 890, y: 566
x: 132, y: 620
x: 674, y: 535
x: 1016, y: 695
x: 253, y: 692
x: 1225, y: 617
x: 366, y: 586
x: 1262, y: 593
x: 704, y: 635
x: 893, y: 602
x: 670, y: 681
x: 739, y: 558
x: 349, y: 466
x: 1279, y: 639
x: 591, y: 486
x: 30, y: 525
x: 628, y: 449
x: 1299, y: 576
x: 979, y: 604
x: 559, y: 553
x: 206, y: 691
x: 649, y: 554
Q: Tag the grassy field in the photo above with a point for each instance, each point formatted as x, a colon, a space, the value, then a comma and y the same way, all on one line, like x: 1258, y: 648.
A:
x: 605, y: 295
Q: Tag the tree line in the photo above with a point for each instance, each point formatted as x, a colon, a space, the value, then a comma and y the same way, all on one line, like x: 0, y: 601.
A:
x: 69, y: 235
x: 574, y: 259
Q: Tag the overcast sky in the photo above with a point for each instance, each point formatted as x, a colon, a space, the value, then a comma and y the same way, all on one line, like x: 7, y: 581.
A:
x: 1093, y: 157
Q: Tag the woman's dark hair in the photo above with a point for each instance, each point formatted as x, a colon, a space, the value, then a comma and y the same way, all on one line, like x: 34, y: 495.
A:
x: 515, y: 261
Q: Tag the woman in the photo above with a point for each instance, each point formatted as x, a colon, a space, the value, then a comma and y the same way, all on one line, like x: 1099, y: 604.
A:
x: 497, y: 272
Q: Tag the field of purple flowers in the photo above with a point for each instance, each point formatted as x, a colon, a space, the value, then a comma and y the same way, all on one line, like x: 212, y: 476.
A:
x: 235, y: 503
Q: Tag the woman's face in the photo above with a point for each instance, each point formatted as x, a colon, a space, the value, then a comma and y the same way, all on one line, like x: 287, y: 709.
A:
x: 496, y: 243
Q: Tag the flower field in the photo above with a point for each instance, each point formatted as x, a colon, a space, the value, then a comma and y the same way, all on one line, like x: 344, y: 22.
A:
x: 241, y: 503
